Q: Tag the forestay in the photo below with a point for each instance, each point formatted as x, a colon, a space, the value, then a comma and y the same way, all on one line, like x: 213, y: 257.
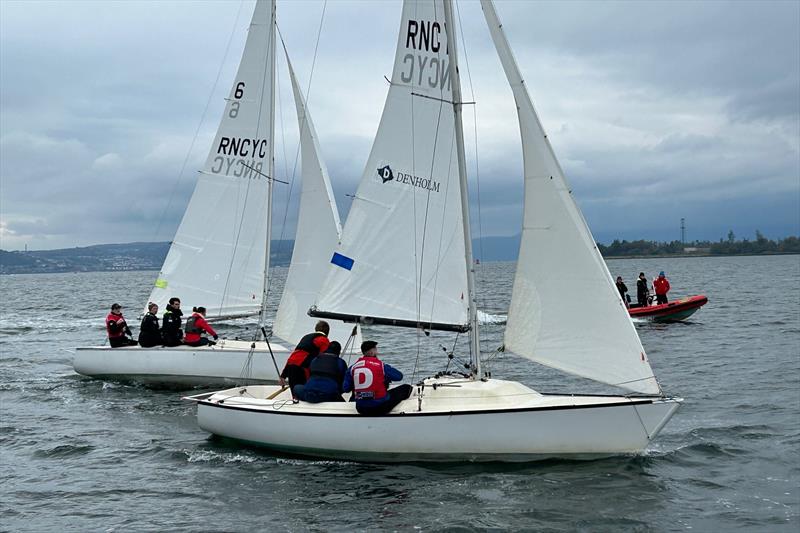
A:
x: 565, y: 309
x: 318, y: 230
x: 218, y: 256
x: 401, y: 258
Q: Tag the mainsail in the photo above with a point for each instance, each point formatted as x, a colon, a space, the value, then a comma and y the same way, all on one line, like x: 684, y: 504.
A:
x: 318, y: 230
x: 401, y: 257
x: 218, y: 257
x: 565, y: 309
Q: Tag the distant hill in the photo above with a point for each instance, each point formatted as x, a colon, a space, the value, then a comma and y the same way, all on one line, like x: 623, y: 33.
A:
x: 107, y: 257
x: 150, y: 255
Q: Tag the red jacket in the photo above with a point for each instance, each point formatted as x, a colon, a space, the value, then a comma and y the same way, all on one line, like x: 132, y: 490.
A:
x: 194, y: 331
x: 307, y: 349
x: 115, y: 325
x: 661, y: 285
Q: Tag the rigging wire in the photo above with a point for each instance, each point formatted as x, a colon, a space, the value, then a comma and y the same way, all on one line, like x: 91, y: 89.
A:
x: 475, y: 135
x: 297, y: 152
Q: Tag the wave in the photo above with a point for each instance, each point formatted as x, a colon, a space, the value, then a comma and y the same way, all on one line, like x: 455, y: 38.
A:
x: 487, y: 318
x: 64, y: 450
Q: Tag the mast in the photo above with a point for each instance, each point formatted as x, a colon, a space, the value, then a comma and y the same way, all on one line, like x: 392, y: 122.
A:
x: 474, y: 338
x: 271, y: 66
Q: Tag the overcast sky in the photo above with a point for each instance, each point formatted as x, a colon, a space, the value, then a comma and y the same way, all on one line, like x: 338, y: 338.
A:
x: 656, y: 110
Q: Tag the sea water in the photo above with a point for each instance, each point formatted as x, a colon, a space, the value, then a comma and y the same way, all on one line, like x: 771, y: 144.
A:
x: 87, y: 455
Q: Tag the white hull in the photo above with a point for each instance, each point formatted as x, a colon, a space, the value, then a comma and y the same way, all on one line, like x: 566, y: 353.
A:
x: 228, y: 363
x: 461, y: 421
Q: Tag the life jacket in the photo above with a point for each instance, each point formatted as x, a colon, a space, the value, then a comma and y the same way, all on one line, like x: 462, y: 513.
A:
x: 191, y: 325
x: 326, y: 366
x: 661, y: 285
x: 305, y: 350
x: 369, y: 380
x: 120, y: 326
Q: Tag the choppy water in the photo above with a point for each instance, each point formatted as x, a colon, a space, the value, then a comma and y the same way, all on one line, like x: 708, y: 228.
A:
x: 84, y: 455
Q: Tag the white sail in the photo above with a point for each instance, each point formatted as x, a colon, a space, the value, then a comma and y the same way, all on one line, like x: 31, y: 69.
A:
x: 318, y: 230
x: 401, y: 257
x: 219, y: 254
x: 565, y: 309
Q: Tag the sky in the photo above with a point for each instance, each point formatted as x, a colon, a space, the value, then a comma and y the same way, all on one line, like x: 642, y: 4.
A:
x: 657, y: 111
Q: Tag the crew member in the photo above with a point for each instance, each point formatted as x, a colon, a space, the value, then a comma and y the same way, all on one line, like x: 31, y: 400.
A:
x: 642, y: 290
x: 369, y: 378
x: 297, y: 369
x: 119, y: 334
x: 661, y: 285
x: 327, y: 377
x: 196, y: 326
x: 149, y: 333
x: 171, y: 332
x: 622, y: 288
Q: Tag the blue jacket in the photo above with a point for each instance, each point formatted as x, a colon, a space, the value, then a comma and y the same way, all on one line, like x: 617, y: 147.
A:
x: 323, y: 387
x: 391, y: 374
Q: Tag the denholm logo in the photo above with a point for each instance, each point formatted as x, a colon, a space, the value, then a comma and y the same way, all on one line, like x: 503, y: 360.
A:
x: 385, y: 173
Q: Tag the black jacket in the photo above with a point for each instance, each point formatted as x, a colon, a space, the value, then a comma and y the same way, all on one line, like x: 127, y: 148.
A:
x: 149, y: 334
x: 171, y: 332
x: 641, y: 288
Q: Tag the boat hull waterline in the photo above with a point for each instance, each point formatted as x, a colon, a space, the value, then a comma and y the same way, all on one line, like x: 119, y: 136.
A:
x: 228, y: 363
x: 541, y: 427
x: 670, y: 312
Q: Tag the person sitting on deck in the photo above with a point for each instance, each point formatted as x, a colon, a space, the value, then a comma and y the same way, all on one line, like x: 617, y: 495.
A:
x: 171, y: 332
x: 642, y: 291
x: 661, y: 285
x: 119, y: 334
x: 369, y: 377
x: 196, y: 325
x: 149, y: 333
x: 297, y: 369
x: 327, y: 377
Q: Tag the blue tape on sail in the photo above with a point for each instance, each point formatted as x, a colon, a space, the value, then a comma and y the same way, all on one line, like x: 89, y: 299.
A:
x: 342, y: 261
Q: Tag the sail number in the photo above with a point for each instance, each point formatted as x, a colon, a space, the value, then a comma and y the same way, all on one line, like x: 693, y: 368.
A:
x: 238, y: 93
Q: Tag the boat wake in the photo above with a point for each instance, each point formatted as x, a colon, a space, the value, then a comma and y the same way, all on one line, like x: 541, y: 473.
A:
x: 487, y: 318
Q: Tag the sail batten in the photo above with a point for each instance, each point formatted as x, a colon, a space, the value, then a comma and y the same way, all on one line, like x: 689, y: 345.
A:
x: 219, y: 254
x: 565, y: 310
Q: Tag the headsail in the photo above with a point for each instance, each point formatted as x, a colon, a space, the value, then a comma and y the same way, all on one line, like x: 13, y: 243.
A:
x: 565, y: 309
x: 318, y: 230
x: 218, y: 256
x: 401, y: 257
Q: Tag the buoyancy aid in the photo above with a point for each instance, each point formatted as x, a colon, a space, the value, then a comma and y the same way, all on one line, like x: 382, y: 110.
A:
x: 326, y: 366
x: 369, y: 380
x: 307, y: 349
x: 115, y: 326
x: 191, y: 325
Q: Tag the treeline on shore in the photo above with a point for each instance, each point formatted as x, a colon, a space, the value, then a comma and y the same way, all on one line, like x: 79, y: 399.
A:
x: 729, y: 246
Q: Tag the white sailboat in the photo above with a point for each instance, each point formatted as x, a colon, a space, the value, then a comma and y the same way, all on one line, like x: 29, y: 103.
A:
x: 394, y: 268
x: 220, y: 255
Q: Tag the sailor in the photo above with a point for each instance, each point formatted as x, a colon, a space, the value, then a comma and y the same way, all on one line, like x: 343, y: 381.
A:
x: 297, y: 370
x: 171, y: 333
x: 642, y: 290
x: 119, y: 334
x: 622, y: 288
x: 661, y: 285
x: 196, y: 325
x: 369, y: 380
x: 327, y: 377
x: 149, y: 333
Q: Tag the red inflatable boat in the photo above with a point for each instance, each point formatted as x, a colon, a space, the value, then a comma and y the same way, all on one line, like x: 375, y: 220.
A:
x: 672, y: 311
